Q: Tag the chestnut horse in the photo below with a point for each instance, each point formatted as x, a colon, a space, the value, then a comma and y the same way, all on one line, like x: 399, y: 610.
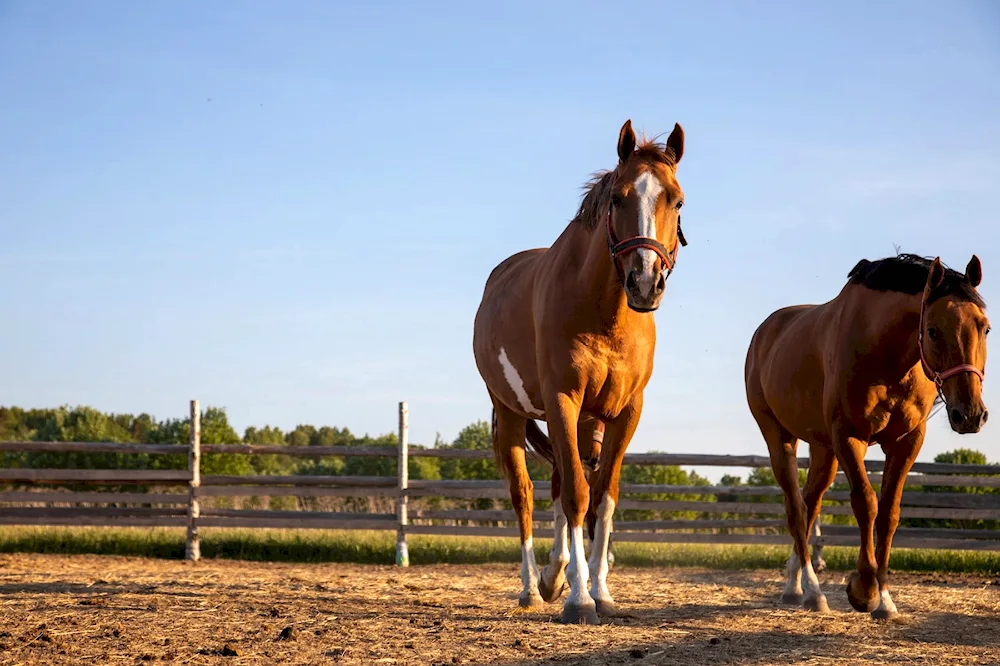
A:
x: 865, y: 368
x: 566, y: 334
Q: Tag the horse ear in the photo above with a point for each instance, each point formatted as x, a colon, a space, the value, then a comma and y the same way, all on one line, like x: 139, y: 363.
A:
x: 626, y: 141
x: 936, y: 275
x: 675, y: 142
x: 974, y: 271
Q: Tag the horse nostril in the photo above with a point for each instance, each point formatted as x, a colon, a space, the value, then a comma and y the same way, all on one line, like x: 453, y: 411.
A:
x: 630, y: 281
x: 955, y: 416
x: 661, y: 283
x: 984, y: 418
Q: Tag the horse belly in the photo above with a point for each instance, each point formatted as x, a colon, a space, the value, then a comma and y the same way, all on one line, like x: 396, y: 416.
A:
x: 793, y: 385
x: 503, y: 337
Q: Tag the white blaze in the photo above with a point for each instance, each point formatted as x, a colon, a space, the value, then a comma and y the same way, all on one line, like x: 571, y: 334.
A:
x: 517, y: 385
x: 649, y: 189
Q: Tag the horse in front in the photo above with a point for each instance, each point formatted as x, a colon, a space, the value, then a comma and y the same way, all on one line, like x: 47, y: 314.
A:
x: 866, y: 368
x: 566, y: 334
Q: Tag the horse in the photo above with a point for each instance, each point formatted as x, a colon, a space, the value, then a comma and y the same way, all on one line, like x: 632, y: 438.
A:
x: 904, y: 334
x: 566, y: 334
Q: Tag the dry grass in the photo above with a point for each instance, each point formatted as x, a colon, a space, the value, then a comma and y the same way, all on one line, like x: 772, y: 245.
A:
x: 116, y: 610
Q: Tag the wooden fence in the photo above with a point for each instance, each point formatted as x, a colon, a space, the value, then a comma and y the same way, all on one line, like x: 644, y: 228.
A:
x: 733, y: 517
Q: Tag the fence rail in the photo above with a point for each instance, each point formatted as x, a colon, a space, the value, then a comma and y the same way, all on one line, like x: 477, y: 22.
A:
x: 755, y: 508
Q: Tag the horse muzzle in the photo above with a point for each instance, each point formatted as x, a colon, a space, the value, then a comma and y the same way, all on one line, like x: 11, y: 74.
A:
x: 644, y: 289
x: 967, y: 420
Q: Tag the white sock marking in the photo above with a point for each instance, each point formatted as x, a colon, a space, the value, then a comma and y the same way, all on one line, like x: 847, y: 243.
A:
x: 810, y: 582
x: 559, y: 555
x: 793, y: 587
x: 517, y: 386
x: 576, y: 572
x: 598, y: 562
x: 886, y: 604
x: 529, y: 568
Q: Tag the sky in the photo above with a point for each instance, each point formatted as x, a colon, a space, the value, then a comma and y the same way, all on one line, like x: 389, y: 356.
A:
x: 290, y: 209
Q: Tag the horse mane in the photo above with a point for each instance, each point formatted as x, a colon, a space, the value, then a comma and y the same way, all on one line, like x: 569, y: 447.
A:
x: 595, y: 202
x: 907, y: 273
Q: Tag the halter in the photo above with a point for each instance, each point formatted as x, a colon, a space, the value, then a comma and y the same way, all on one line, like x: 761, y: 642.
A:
x: 939, y: 377
x: 617, y: 248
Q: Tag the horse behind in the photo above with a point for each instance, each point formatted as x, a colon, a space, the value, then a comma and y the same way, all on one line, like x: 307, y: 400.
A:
x: 866, y: 368
x: 566, y: 334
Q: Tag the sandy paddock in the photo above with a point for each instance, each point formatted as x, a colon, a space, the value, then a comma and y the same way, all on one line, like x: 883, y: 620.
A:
x: 111, y: 610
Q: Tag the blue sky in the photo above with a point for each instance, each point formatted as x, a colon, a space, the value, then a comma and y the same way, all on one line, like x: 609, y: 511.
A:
x: 290, y: 209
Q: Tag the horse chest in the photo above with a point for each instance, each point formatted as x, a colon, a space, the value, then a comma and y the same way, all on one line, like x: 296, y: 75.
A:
x: 614, y: 385
x: 892, y: 414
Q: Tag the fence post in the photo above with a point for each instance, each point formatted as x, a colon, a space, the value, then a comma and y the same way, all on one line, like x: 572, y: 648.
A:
x: 402, y: 552
x: 192, y: 550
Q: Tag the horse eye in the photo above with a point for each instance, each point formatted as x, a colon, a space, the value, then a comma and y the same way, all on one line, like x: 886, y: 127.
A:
x: 988, y: 329
x: 616, y: 200
x: 933, y: 332
x: 679, y: 204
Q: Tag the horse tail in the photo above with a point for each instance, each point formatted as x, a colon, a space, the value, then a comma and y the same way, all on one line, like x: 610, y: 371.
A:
x: 498, y: 455
x: 539, y: 443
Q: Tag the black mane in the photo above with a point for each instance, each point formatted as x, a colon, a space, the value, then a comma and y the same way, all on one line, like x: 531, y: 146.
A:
x: 907, y: 273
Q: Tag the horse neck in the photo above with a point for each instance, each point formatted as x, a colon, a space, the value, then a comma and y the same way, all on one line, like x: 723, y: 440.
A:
x: 894, y: 319
x: 582, y: 255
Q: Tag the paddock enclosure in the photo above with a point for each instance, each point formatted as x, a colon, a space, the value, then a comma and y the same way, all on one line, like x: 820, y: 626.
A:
x: 943, y: 505
x: 111, y: 610
x: 90, y: 609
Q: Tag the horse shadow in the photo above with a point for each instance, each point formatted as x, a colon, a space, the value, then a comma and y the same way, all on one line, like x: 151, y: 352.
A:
x: 99, y: 588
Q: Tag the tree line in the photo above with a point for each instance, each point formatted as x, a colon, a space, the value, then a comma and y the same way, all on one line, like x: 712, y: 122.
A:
x: 86, y: 424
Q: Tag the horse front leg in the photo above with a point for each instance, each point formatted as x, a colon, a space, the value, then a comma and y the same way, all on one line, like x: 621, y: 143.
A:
x: 604, y: 499
x: 563, y: 414
x: 899, y: 458
x: 862, y: 585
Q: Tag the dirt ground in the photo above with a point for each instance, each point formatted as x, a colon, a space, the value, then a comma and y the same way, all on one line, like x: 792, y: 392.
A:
x: 110, y: 610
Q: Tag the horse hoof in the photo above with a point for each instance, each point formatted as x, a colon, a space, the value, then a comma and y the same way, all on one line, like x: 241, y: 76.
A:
x: 816, y: 604
x: 573, y: 614
x: 881, y: 614
x: 791, y: 598
x: 550, y: 594
x: 819, y: 565
x: 859, y: 603
x: 606, y: 608
x: 530, y: 600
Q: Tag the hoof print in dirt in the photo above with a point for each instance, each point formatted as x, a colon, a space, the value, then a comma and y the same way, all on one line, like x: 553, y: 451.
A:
x: 229, y: 651
x: 288, y: 634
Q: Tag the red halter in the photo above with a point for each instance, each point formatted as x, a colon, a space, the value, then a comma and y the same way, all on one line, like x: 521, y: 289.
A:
x: 939, y: 377
x: 616, y: 247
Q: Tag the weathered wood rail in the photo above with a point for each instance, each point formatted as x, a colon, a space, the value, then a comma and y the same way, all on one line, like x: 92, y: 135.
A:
x: 724, y: 514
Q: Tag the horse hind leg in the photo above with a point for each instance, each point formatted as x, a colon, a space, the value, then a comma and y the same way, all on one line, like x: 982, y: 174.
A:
x: 508, y: 444
x: 822, y: 471
x: 802, y: 585
x: 552, y: 582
